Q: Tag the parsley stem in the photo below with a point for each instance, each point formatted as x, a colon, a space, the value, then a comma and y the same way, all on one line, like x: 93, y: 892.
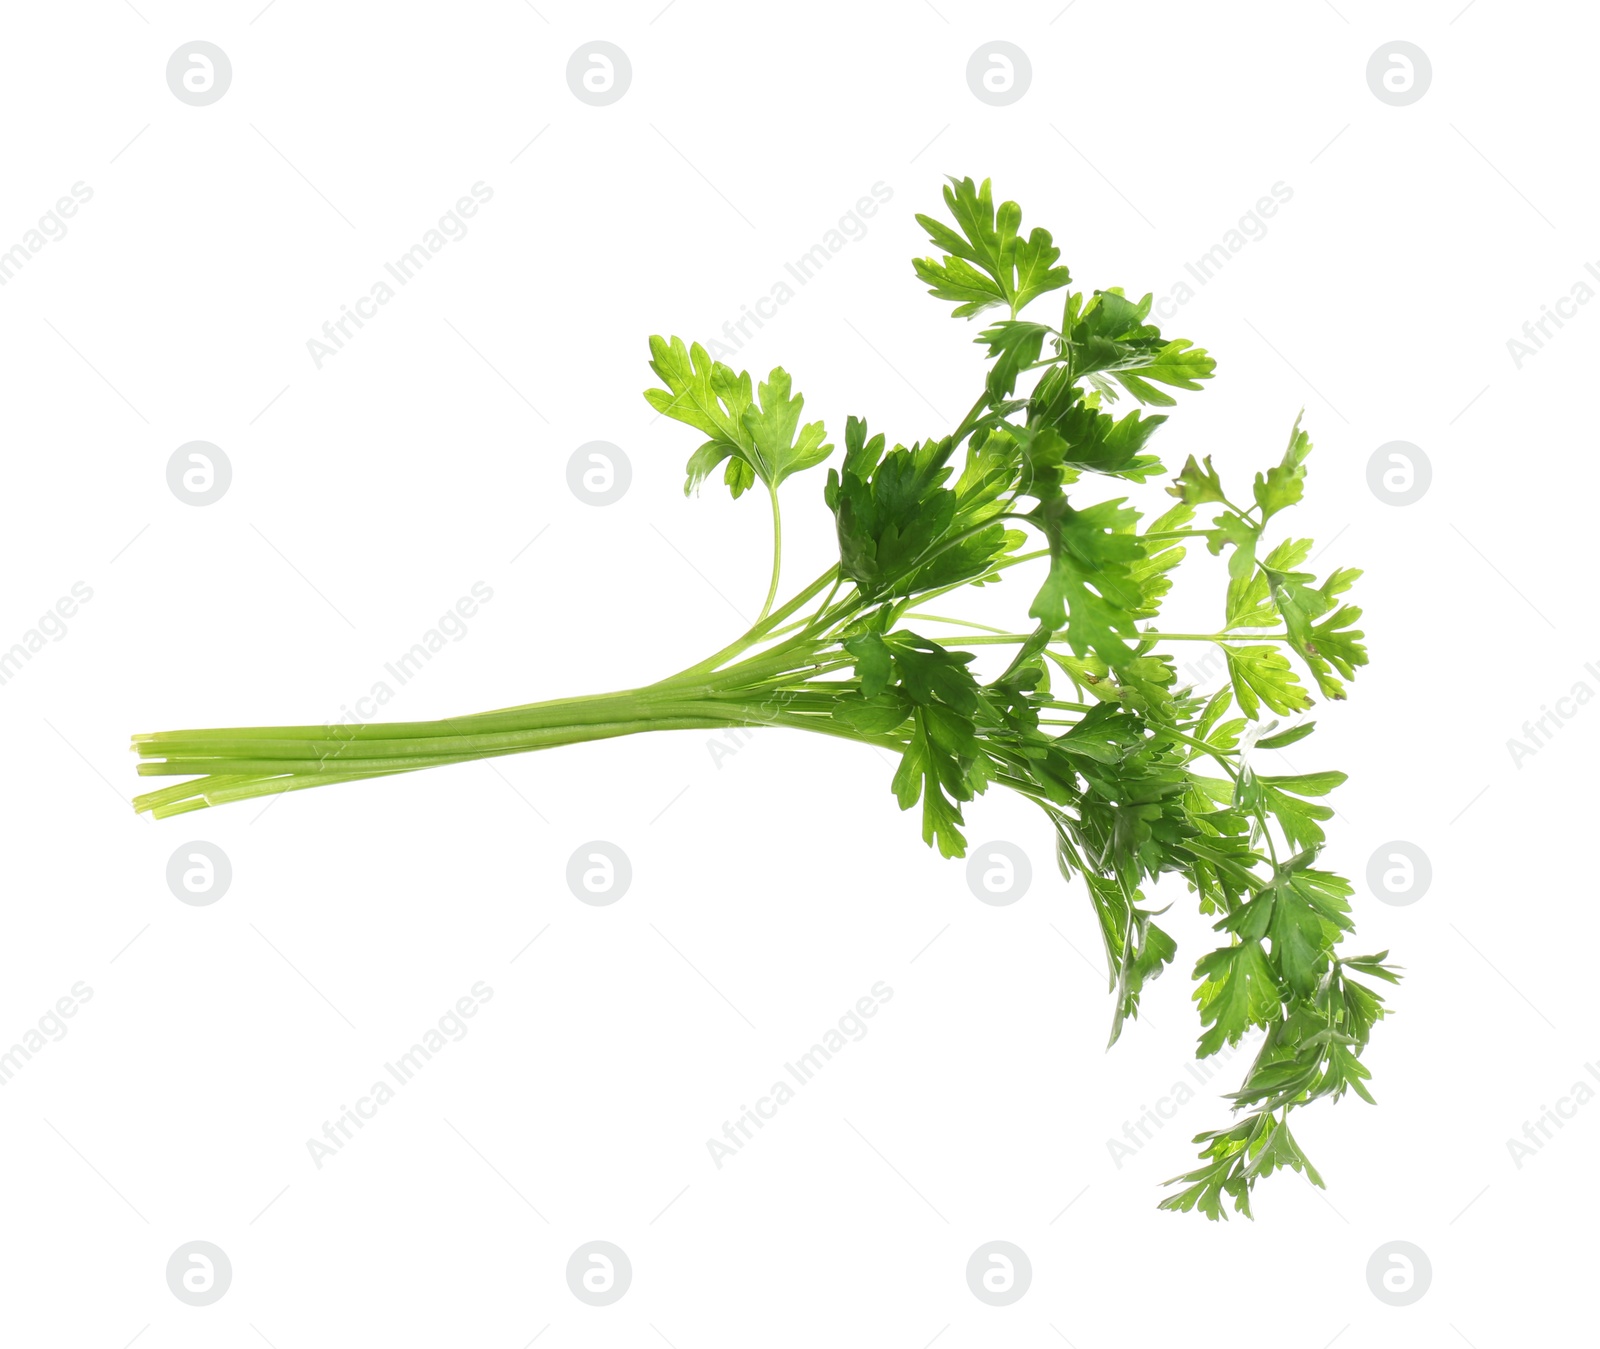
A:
x: 954, y: 622
x: 974, y: 415
x: 1218, y: 637
x: 949, y: 541
x: 236, y: 768
x: 777, y: 555
x: 811, y: 621
x: 760, y: 630
x: 1205, y: 747
x: 1005, y: 562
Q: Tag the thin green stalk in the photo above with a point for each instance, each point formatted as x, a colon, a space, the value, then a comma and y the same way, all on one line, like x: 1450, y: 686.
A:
x: 954, y: 622
x: 1205, y: 747
x: 757, y: 631
x: 974, y: 415
x: 955, y: 540
x: 1216, y: 636
x: 777, y: 555
x: 1013, y: 561
x: 242, y: 779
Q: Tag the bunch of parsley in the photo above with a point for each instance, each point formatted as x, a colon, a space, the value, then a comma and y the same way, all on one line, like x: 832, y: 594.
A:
x: 1125, y: 769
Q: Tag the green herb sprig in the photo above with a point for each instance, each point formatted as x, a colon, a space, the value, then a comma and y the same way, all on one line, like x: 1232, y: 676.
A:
x: 1136, y: 775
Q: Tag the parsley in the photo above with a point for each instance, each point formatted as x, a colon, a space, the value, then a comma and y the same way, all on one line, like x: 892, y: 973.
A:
x: 1122, y: 763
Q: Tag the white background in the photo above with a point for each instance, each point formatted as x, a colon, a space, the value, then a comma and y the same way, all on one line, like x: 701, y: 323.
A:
x: 772, y: 890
